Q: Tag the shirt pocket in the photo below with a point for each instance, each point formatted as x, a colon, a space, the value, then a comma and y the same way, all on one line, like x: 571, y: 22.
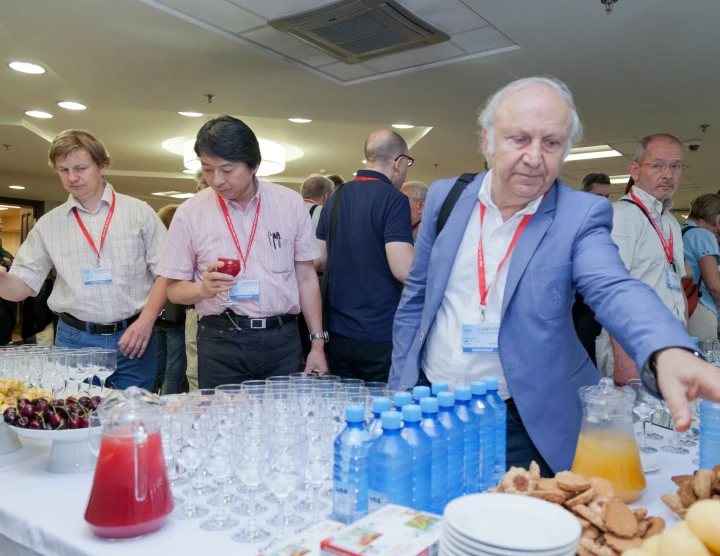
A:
x: 552, y: 290
x: 280, y: 254
x: 129, y: 252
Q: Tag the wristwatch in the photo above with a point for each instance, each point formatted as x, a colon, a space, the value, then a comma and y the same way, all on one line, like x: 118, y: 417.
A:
x: 649, y: 372
x: 320, y: 336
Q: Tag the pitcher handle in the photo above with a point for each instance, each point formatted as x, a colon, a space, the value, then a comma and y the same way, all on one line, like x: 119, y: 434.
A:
x: 94, y: 433
x: 140, y: 459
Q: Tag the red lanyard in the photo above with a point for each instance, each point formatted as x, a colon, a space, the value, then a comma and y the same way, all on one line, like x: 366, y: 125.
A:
x: 667, y: 244
x: 365, y: 178
x: 482, y: 284
x: 104, y: 230
x: 244, y: 259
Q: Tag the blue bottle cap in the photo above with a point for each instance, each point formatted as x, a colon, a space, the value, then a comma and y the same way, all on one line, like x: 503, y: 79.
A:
x: 429, y: 405
x: 492, y: 384
x: 478, y: 388
x: 438, y: 387
x: 463, y: 393
x: 694, y: 340
x: 402, y: 398
x: 411, y: 413
x: 420, y: 392
x: 354, y: 414
x: 381, y: 404
x: 391, y: 420
x: 446, y: 399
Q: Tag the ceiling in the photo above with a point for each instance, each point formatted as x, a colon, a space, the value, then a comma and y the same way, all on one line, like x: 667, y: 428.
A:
x: 650, y: 66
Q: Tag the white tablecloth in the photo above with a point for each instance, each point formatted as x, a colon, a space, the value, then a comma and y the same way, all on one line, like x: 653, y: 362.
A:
x: 42, y: 513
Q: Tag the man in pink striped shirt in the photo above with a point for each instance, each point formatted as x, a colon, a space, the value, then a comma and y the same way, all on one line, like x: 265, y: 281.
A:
x: 248, y: 302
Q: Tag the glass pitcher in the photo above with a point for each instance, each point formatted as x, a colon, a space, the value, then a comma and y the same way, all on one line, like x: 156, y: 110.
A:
x: 607, y: 447
x: 130, y: 494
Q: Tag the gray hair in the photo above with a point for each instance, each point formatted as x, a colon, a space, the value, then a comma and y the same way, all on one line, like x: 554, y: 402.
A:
x: 641, y: 150
x: 417, y: 190
x: 316, y: 186
x: 487, y: 117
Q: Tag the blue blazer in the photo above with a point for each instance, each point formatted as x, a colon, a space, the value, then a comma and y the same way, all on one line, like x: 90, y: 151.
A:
x: 565, y: 247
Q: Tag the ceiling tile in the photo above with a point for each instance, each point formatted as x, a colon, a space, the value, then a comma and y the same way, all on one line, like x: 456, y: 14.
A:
x: 273, y: 10
x: 219, y: 13
x: 480, y: 40
x: 417, y: 57
x: 288, y: 46
x: 450, y: 16
x: 347, y: 72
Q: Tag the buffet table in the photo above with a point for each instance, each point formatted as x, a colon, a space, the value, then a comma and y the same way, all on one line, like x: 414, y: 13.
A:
x: 42, y: 513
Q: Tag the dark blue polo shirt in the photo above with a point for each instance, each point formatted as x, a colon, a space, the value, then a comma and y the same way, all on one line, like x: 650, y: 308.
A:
x: 363, y: 293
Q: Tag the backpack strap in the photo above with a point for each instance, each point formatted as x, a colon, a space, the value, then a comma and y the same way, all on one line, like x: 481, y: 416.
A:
x: 313, y: 209
x: 686, y: 229
x: 451, y: 200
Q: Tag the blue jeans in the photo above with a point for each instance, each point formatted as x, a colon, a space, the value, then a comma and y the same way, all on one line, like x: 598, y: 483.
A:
x: 171, y: 359
x: 520, y: 448
x: 136, y: 372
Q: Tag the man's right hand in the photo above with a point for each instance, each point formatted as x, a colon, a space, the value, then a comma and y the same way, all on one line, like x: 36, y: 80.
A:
x: 3, y: 272
x: 214, y: 282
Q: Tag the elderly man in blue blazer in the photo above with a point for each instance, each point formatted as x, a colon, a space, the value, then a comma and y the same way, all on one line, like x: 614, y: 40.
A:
x: 490, y: 296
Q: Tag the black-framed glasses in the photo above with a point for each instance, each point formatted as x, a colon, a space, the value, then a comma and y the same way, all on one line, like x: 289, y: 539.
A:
x: 410, y: 159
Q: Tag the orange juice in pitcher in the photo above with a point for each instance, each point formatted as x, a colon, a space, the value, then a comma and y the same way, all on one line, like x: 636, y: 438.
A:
x: 607, y: 447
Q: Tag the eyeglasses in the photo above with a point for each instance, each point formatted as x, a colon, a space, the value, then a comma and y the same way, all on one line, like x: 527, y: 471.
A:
x: 659, y: 168
x: 410, y: 159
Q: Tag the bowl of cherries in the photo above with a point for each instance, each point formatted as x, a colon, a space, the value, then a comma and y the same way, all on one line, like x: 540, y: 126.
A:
x: 64, y: 422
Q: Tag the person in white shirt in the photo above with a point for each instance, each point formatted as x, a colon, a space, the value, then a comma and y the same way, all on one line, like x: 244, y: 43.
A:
x: 315, y: 190
x: 649, y: 239
x: 416, y: 192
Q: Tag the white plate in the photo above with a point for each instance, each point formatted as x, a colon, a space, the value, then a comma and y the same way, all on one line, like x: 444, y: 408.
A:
x: 8, y: 439
x: 459, y: 545
x: 67, y: 435
x: 494, y: 519
x: 70, y: 452
x: 650, y: 465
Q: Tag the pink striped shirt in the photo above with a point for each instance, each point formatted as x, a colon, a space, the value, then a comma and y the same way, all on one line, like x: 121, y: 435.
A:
x: 199, y: 235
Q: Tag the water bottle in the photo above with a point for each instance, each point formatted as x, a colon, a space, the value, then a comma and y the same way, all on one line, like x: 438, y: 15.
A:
x: 480, y: 407
x: 402, y: 399
x: 391, y: 465
x: 438, y: 387
x: 379, y: 405
x: 420, y: 392
x: 439, y: 462
x: 350, y: 468
x: 500, y: 426
x: 709, y: 435
x: 421, y: 445
x: 456, y: 443
x: 471, y: 466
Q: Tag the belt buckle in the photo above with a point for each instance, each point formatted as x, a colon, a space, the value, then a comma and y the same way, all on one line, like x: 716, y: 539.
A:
x: 115, y: 330
x: 260, y: 326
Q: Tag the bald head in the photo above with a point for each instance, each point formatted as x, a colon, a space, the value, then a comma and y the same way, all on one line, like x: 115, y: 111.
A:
x: 384, y: 151
x: 317, y: 188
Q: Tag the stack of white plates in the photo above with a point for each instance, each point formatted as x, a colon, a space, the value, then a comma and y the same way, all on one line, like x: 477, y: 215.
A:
x: 496, y: 524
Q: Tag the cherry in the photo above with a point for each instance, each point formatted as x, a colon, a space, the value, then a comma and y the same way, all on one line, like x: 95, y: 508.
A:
x: 35, y: 426
x: 27, y: 411
x: 10, y: 418
x: 57, y: 402
x: 23, y: 400
x: 37, y: 401
x: 62, y: 411
x: 63, y: 425
x: 10, y: 410
x: 75, y: 423
x: 48, y: 426
x: 93, y: 405
x: 47, y: 414
x: 85, y: 401
x: 83, y: 423
x: 55, y: 420
x: 41, y: 406
x: 23, y: 422
x: 70, y: 399
x: 97, y: 399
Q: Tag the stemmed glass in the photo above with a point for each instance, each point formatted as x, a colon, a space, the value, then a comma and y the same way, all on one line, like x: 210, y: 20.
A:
x: 674, y: 447
x: 219, y: 466
x: 251, y: 459
x: 695, y: 411
x: 644, y: 410
x: 190, y: 456
x: 55, y: 371
x: 282, y: 475
x: 104, y: 365
x: 232, y: 268
x: 320, y: 454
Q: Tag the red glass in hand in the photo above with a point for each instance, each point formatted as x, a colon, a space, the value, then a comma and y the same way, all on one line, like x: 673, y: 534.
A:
x: 232, y: 266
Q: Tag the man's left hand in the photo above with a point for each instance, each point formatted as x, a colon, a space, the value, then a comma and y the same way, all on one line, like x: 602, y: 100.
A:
x: 134, y: 341
x: 683, y: 377
x: 316, y: 362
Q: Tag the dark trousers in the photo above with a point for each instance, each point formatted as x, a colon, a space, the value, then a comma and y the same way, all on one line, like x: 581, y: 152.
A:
x: 351, y: 358
x: 520, y: 448
x: 227, y: 355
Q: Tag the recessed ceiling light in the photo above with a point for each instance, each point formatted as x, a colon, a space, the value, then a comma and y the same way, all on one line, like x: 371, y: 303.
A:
x: 299, y: 120
x: 38, y: 114
x: 403, y: 126
x: 354, y: 173
x: 619, y: 179
x: 189, y: 171
x: 70, y: 105
x: 16, y: 186
x: 5, y: 207
x: 587, y: 153
x: 191, y: 114
x: 26, y: 67
x: 182, y: 195
x: 364, y: 161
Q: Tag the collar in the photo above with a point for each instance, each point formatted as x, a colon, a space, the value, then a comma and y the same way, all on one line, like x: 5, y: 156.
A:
x: 485, y: 197
x: 691, y: 224
x: 372, y: 174
x: 309, y: 202
x: 651, y: 202
x: 72, y: 202
x: 416, y: 224
x: 252, y: 201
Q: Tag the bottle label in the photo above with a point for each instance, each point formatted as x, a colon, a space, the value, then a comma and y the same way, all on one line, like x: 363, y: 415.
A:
x: 377, y: 500
x: 344, y: 500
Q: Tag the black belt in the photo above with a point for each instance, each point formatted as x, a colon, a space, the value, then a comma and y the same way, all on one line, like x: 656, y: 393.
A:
x: 253, y: 324
x: 102, y: 329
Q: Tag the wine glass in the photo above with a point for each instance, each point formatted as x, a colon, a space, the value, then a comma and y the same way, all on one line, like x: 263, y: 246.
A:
x: 219, y: 466
x: 251, y: 459
x: 232, y: 268
x: 321, y: 436
x: 282, y: 474
x: 674, y: 447
x: 104, y: 364
x: 644, y: 410
x: 190, y: 456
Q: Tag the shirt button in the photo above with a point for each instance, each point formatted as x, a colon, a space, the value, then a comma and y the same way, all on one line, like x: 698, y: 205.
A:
x: 422, y: 336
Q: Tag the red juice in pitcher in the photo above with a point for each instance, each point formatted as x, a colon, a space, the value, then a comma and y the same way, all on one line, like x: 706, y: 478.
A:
x: 129, y: 501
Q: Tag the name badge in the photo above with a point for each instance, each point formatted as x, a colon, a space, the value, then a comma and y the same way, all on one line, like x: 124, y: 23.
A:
x: 246, y: 289
x: 673, y: 281
x: 94, y: 276
x: 480, y: 338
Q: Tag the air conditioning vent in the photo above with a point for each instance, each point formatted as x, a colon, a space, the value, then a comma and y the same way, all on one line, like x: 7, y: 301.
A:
x: 357, y: 30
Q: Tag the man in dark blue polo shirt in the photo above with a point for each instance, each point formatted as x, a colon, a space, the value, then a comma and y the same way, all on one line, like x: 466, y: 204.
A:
x: 371, y: 251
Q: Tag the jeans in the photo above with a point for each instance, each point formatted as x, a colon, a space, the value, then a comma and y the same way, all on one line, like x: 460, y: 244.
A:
x: 171, y: 360
x: 520, y: 448
x: 138, y: 372
x: 351, y: 358
x: 227, y: 355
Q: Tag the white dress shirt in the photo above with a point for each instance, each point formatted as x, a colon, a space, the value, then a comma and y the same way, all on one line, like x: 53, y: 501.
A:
x: 443, y: 358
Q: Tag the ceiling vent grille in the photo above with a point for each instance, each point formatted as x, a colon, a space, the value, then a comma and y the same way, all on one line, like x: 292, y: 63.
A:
x: 354, y: 31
